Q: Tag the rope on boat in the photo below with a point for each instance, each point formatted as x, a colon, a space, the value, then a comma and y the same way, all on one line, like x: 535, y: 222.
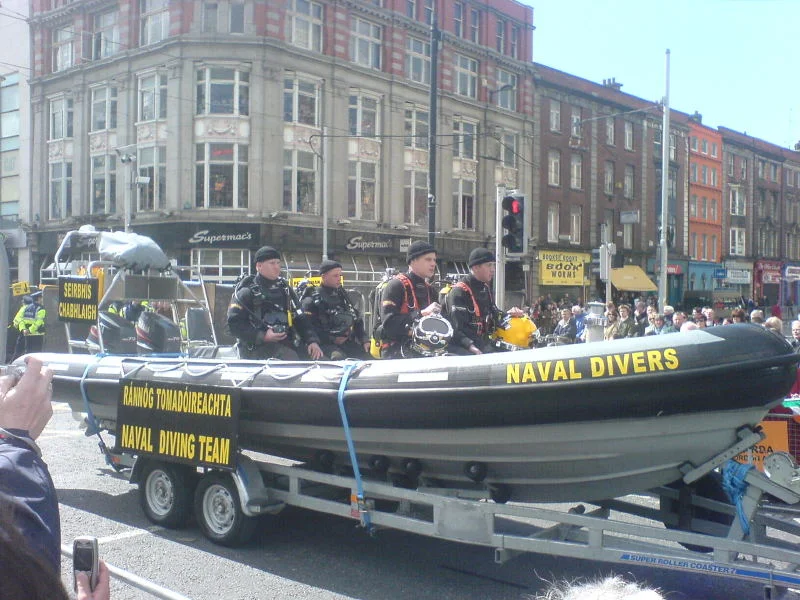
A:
x: 92, y: 426
x: 348, y: 370
x: 734, y: 484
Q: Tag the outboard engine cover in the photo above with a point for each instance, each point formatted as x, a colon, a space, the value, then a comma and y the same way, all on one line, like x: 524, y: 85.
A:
x: 157, y: 334
x: 118, y: 334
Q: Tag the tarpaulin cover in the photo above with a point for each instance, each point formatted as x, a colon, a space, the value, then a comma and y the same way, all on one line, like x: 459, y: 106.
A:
x: 132, y: 251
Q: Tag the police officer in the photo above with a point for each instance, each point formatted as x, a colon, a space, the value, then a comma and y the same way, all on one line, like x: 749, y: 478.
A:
x: 264, y: 314
x: 406, y: 298
x: 29, y: 322
x: 471, y: 308
x: 334, y: 318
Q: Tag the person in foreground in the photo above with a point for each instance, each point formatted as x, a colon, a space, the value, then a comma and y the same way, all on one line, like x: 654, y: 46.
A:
x: 265, y: 315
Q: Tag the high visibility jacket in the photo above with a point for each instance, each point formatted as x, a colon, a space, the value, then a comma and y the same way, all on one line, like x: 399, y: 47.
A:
x: 30, y: 318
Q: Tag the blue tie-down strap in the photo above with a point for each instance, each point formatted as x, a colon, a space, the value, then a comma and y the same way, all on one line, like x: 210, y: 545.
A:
x: 360, y: 504
x: 734, y: 484
x: 92, y: 426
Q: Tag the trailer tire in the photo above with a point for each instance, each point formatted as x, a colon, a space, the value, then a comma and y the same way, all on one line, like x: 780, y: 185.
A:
x: 218, y: 510
x: 165, y: 493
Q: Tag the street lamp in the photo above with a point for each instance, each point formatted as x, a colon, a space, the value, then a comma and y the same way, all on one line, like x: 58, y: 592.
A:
x: 126, y: 157
x: 503, y: 88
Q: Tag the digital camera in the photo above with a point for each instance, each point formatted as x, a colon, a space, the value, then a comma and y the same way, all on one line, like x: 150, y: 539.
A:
x: 278, y: 328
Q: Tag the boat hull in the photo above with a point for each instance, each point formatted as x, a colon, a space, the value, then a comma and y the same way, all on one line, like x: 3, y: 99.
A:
x: 586, y: 422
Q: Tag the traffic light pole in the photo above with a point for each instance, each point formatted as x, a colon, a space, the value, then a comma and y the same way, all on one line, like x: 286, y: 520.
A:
x: 500, y: 271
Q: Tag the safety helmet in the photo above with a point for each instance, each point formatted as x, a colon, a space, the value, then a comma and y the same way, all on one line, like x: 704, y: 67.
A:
x: 431, y: 335
x: 515, y: 333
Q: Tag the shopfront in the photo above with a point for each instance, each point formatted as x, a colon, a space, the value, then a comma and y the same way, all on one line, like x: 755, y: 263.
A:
x: 767, y: 275
x: 791, y: 284
x: 563, y: 274
x: 677, y: 271
x: 738, y: 277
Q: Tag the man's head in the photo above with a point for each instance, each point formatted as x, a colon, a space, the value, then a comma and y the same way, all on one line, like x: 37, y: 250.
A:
x: 640, y: 306
x: 678, y: 319
x: 576, y: 311
x: 268, y: 262
x: 482, y: 264
x: 566, y: 314
x: 668, y: 311
x: 697, y: 314
x: 624, y: 311
x: 331, y: 273
x: 27, y: 299
x: 757, y: 317
x: 796, y: 330
x: 421, y: 258
x: 658, y: 320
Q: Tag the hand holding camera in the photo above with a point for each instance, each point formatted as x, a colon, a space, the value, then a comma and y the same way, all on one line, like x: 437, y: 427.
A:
x: 275, y: 333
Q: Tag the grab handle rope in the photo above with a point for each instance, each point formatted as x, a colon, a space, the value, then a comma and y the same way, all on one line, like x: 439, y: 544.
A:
x: 734, y: 484
x: 347, y: 371
x: 92, y: 426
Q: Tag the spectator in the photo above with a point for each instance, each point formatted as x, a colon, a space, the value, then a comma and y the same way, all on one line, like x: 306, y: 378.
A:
x: 669, y: 311
x: 775, y: 310
x: 757, y: 317
x: 25, y: 482
x: 627, y: 325
x: 610, y: 331
x: 738, y: 315
x: 796, y: 336
x: 678, y: 319
x: 774, y: 324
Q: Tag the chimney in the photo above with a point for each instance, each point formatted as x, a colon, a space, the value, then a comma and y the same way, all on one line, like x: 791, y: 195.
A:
x: 696, y: 117
x: 612, y: 83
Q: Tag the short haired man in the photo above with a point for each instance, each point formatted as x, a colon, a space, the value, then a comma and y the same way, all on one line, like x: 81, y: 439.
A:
x: 796, y: 336
x: 406, y: 298
x: 757, y: 317
x: 333, y: 316
x: 678, y: 319
x: 471, y: 308
x: 265, y: 315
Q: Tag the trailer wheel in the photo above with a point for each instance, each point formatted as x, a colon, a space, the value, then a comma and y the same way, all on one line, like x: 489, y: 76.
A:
x: 218, y: 511
x: 710, y: 487
x: 165, y: 493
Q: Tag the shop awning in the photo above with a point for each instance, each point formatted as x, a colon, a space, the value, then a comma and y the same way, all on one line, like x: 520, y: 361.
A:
x: 631, y: 278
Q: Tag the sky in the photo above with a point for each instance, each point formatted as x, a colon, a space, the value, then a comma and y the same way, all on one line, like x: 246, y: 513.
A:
x: 736, y: 62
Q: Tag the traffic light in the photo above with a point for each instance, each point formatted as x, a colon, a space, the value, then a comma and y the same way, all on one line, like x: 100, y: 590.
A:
x: 515, y: 238
x: 600, y: 260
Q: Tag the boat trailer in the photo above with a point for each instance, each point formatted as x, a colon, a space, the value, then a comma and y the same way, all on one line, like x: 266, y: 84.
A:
x: 755, y: 539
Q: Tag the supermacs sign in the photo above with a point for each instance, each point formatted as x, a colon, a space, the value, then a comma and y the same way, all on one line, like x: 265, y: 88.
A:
x: 359, y: 243
x: 206, y: 237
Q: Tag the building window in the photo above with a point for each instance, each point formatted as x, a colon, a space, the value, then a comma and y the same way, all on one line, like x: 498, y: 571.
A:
x: 104, y: 108
x: 237, y: 17
x: 575, y: 122
x: 464, y: 139
x: 554, y: 167
x: 773, y: 172
x: 363, y: 116
x: 104, y: 185
x: 693, y: 206
x: 9, y: 128
x: 299, y: 181
x: 704, y: 174
x: 514, y: 42
x: 693, y: 173
x: 693, y: 246
x: 365, y: 43
x: 223, y: 91
x: 411, y: 9
x: 221, y: 266
x: 576, y: 172
x: 703, y: 214
x: 610, y: 131
x: 362, y: 185
x: 575, y: 213
x: 500, y: 36
x: 761, y: 169
x: 60, y: 119
x: 415, y: 197
x: 737, y: 241
x: 507, y: 98
x: 693, y: 143
x: 154, y: 21
x: 428, y: 15
x: 458, y: 19
x: 221, y: 175
x: 509, y: 152
x: 789, y: 177
x: 152, y: 97
x: 210, y: 17
x: 628, y: 135
x: 552, y: 223
x: 418, y: 60
x: 555, y: 115
x: 627, y: 187
x: 714, y: 149
x: 304, y: 24
x: 730, y: 164
x: 416, y: 129
x: 152, y: 165
x: 704, y: 146
x: 673, y: 150
x: 627, y: 236
x: 105, y: 35
x: 60, y: 190
x: 608, y: 186
x: 466, y: 71
x: 743, y: 166
x: 713, y: 253
x: 714, y: 176
x: 474, y: 25
x: 300, y: 101
x: 464, y: 203
x: 62, y: 48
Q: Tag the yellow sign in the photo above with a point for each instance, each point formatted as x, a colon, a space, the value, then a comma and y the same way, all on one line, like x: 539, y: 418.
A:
x: 20, y: 288
x: 561, y: 268
x: 777, y: 440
